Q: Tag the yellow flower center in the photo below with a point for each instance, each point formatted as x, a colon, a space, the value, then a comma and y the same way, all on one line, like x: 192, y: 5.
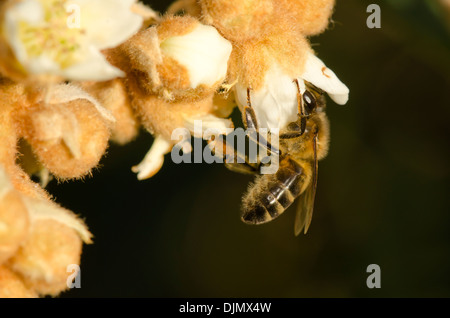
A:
x: 54, y: 37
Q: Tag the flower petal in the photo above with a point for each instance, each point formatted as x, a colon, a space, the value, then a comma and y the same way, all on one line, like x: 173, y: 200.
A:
x: 94, y: 67
x: 321, y: 76
x: 144, y: 11
x: 108, y: 23
x: 64, y: 93
x: 29, y: 11
x: 154, y: 159
x: 43, y: 210
x: 275, y: 103
x: 208, y: 122
x: 204, y: 53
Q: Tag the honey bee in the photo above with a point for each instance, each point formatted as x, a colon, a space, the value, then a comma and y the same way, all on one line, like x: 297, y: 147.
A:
x: 301, y: 145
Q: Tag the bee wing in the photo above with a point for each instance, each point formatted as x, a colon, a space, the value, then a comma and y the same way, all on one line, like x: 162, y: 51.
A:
x: 306, y: 201
x: 305, y: 210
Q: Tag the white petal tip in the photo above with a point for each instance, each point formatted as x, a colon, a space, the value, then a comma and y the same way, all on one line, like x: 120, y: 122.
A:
x: 324, y: 78
x: 340, y: 99
x: 148, y: 169
x: 208, y: 123
x: 153, y: 160
x: 41, y: 209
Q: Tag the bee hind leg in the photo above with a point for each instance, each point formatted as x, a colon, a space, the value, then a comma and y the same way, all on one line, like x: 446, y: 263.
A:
x: 243, y: 168
x: 233, y: 159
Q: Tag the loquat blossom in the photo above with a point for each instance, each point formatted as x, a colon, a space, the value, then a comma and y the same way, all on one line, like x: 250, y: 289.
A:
x: 67, y: 131
x: 64, y: 38
x: 270, y: 51
x: 275, y: 102
x: 173, y: 72
x: 128, y: 68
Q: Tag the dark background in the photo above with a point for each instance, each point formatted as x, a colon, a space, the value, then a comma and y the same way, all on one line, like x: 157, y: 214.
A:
x: 383, y: 191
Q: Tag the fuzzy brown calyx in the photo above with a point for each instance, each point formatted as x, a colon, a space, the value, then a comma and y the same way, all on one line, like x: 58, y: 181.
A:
x: 190, y: 7
x: 239, y: 20
x: 43, y: 260
x: 69, y: 139
x: 178, y: 59
x: 251, y: 60
x: 113, y: 95
x: 12, y: 285
x: 311, y: 17
x: 14, y: 222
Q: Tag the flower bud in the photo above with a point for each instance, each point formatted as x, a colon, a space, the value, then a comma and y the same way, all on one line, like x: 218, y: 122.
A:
x: 114, y: 97
x: 161, y: 118
x: 69, y: 134
x: 311, y: 17
x: 12, y: 285
x: 179, y: 59
x: 240, y: 20
x: 14, y: 219
x: 43, y: 259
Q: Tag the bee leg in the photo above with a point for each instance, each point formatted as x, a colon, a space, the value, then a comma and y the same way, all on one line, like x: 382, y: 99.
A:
x: 243, y: 168
x: 251, y: 123
x: 289, y: 135
x: 301, y: 107
x: 233, y: 159
x: 249, y: 116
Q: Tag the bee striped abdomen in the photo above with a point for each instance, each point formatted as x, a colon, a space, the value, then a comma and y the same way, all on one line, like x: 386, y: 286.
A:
x: 271, y: 195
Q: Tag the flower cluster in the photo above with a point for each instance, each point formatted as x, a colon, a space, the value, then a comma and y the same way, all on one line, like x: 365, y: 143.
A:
x: 268, y: 55
x: 78, y: 74
x: 50, y: 126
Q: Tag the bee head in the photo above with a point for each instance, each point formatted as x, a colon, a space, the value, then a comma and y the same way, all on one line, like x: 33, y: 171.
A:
x: 309, y: 103
x: 313, y: 100
x: 311, y: 107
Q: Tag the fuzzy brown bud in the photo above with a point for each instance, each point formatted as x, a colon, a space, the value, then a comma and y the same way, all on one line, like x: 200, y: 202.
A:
x: 43, y: 260
x: 12, y: 285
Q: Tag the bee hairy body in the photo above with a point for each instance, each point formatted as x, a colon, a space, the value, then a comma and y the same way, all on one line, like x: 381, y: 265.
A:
x: 270, y: 195
x: 302, y: 143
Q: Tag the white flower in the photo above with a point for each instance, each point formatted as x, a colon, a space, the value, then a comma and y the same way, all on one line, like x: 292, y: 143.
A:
x: 65, y: 37
x: 275, y: 104
x: 203, y: 52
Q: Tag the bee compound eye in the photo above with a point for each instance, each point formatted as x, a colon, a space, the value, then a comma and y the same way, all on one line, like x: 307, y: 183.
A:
x: 310, y: 102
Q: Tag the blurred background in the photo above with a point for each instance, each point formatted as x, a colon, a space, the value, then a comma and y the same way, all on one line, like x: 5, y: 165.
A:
x: 382, y: 198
